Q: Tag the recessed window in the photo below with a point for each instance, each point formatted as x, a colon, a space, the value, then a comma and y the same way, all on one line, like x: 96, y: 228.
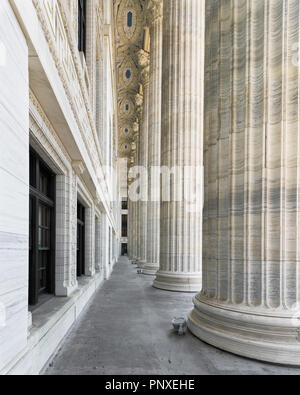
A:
x: 41, y: 229
x: 124, y: 249
x: 127, y: 107
x: 124, y: 225
x: 126, y: 130
x: 129, y: 19
x: 125, y: 204
x: 80, y: 239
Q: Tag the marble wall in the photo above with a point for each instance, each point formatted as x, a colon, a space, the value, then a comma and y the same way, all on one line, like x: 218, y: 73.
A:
x: 14, y: 189
x: 57, y: 118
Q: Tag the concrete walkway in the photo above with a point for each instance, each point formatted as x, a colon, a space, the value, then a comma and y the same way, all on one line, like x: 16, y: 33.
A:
x: 127, y: 330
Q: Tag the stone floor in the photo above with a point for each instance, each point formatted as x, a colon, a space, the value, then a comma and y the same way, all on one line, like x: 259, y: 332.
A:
x: 127, y: 330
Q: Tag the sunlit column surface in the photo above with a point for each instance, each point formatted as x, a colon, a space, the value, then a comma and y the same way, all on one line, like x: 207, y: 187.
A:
x: 182, y: 135
x: 251, y: 277
x: 154, y: 136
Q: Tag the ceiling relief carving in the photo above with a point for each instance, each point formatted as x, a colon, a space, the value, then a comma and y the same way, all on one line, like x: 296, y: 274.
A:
x: 128, y: 73
x: 130, y: 20
x: 126, y: 109
x: 130, y: 36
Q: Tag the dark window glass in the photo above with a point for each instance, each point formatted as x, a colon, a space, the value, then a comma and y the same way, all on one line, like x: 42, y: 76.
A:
x: 125, y: 205
x: 32, y: 179
x: 124, y: 249
x: 80, y: 239
x: 128, y: 74
x: 45, y: 182
x: 124, y: 225
x: 82, y: 26
x: 41, y: 229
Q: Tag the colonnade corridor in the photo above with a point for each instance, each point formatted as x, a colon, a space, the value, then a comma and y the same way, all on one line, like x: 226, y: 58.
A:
x: 126, y: 330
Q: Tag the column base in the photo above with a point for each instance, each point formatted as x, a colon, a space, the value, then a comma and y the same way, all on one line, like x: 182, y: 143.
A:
x: 253, y: 333
x: 178, y: 282
x: 140, y: 264
x: 150, y: 269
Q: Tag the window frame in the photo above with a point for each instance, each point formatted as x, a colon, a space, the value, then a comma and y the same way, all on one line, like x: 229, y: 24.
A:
x: 38, y: 198
x: 124, y: 226
x: 81, y: 237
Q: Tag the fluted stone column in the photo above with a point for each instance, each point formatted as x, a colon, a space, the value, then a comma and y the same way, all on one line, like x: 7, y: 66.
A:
x: 135, y: 225
x: 134, y: 203
x: 98, y: 244
x: 139, y: 109
x: 143, y: 59
x: 181, y: 143
x: 154, y: 137
x: 249, y: 304
x: 133, y: 234
x: 130, y: 228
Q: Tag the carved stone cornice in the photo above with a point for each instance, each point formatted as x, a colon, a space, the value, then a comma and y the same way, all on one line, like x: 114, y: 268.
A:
x: 139, y: 100
x: 135, y: 128
x: 78, y: 166
x: 154, y: 11
x: 143, y: 58
x: 83, y: 113
x: 145, y: 76
x: 144, y: 64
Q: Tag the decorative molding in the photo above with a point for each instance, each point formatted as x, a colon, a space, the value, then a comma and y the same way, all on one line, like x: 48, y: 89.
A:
x: 129, y: 39
x: 63, y: 48
x: 154, y: 11
x: 144, y: 64
x: 78, y: 166
x: 143, y: 58
x: 40, y: 119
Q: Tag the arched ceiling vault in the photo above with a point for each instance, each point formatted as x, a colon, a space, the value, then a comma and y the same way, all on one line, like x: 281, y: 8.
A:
x: 131, y: 36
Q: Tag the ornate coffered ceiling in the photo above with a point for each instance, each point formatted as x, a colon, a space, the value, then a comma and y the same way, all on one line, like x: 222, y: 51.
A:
x: 130, y: 39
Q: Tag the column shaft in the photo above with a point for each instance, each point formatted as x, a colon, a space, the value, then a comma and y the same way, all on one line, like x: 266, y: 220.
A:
x: 181, y: 144
x: 249, y: 304
x: 130, y: 228
x: 154, y: 138
x: 134, y: 236
x: 143, y: 157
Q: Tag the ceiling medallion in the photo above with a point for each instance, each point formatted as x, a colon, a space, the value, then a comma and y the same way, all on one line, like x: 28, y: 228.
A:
x: 127, y: 76
x: 129, y: 20
x: 126, y: 108
x: 128, y: 72
x: 125, y: 130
